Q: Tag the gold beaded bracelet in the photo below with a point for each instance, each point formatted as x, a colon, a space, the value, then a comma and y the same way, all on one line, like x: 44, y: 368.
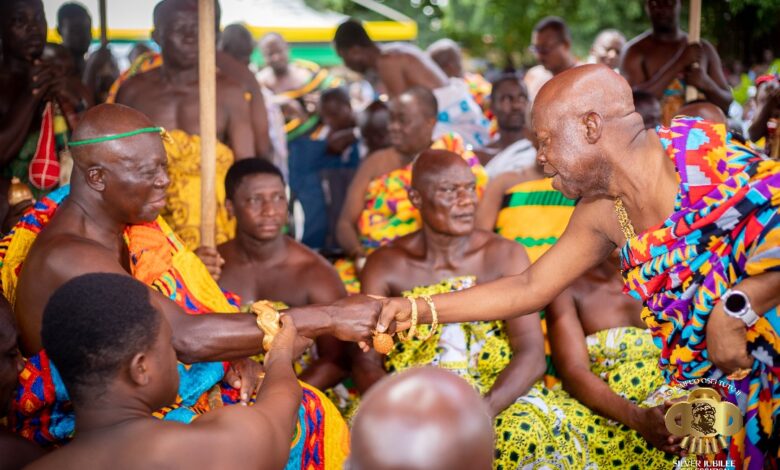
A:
x: 434, y: 317
x: 412, y: 329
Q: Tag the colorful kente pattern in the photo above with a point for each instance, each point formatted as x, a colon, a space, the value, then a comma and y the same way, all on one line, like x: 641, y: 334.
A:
x: 725, y: 228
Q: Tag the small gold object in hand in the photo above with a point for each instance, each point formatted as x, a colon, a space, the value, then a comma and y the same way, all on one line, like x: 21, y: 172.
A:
x: 383, y: 343
x: 268, y: 320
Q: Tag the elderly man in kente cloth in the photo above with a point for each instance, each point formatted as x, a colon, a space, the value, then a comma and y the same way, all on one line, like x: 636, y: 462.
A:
x: 696, y: 216
x: 402, y: 66
x: 109, y: 223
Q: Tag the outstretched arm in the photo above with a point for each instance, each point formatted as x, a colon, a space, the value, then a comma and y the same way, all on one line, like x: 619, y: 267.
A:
x: 582, y: 246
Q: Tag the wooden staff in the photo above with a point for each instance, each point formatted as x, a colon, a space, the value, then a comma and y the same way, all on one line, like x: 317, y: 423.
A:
x: 694, y: 36
x: 208, y: 122
x: 103, y: 24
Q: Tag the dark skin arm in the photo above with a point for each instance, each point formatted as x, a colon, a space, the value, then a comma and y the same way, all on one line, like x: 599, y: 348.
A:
x: 257, y: 436
x: 572, y: 362
x: 631, y: 68
x: 240, y: 135
x: 527, y: 342
x: 709, y: 79
x: 330, y: 366
x: 770, y: 102
x: 368, y: 367
x: 17, y: 451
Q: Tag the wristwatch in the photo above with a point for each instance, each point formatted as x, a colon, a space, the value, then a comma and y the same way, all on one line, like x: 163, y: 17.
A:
x: 737, y: 305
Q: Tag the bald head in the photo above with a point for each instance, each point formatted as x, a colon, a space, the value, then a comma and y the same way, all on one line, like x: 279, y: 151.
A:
x: 425, y: 418
x: 703, y: 109
x: 432, y: 164
x: 579, y: 90
x: 446, y: 53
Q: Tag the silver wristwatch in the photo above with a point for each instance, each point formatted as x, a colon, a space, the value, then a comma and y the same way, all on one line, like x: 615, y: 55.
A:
x: 737, y: 305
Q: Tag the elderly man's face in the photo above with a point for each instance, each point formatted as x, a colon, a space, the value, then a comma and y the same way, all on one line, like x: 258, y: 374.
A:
x: 448, y: 202
x: 24, y: 30
x: 607, y: 50
x: 410, y: 129
x: 136, y: 181
x: 576, y: 167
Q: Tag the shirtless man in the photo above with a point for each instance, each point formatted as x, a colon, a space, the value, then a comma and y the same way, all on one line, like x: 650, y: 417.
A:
x: 16, y: 452
x: 551, y: 45
x: 74, y: 25
x: 236, y: 41
x: 121, y: 182
x: 586, y: 125
x: 27, y: 82
x: 656, y: 58
x: 443, y: 190
x: 296, y: 276
x: 169, y: 94
x: 511, y: 150
x: 402, y: 66
x: 404, y: 411
x: 118, y: 372
x: 592, y: 304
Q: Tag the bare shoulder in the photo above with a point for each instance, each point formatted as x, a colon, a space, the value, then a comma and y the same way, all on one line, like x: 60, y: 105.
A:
x: 311, y: 262
x: 229, y: 88
x: 378, y: 163
x: 598, y: 215
x: 639, y: 43
x: 136, y: 86
x: 500, y: 251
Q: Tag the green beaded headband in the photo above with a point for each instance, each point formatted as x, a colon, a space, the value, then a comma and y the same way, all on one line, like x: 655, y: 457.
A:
x: 106, y: 138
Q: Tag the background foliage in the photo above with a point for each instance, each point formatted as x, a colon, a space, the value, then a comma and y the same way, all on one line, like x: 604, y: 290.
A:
x: 501, y: 29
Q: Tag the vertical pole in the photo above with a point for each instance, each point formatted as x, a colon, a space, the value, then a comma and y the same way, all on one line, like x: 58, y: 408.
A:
x: 694, y: 36
x: 103, y: 24
x: 208, y: 121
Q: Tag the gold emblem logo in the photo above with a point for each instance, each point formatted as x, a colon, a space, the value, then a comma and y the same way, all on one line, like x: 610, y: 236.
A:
x: 703, y: 420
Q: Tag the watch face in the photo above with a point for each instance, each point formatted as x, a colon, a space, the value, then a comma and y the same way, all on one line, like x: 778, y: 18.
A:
x: 736, y: 302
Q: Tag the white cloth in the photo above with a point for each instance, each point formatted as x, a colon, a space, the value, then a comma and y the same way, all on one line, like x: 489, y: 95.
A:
x: 276, y: 132
x: 517, y: 157
x: 459, y: 113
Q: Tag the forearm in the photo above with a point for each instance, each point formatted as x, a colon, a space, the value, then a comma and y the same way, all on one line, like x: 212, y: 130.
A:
x: 763, y: 291
x: 514, y: 381
x: 505, y: 298
x: 216, y: 337
x: 661, y: 79
x: 719, y: 96
x: 594, y: 393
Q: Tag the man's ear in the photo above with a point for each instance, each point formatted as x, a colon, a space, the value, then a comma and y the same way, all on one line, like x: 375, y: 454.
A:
x: 156, y: 36
x: 139, y: 369
x: 230, y: 208
x: 594, y: 124
x: 415, y: 198
x: 96, y: 178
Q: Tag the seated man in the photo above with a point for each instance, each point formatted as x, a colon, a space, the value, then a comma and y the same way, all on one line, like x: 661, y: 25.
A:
x: 404, y: 411
x: 110, y: 224
x: 256, y: 198
x: 606, y: 359
x: 118, y: 372
x: 511, y: 150
x: 400, y: 67
x: 504, y: 361
x: 377, y: 209
x: 16, y: 452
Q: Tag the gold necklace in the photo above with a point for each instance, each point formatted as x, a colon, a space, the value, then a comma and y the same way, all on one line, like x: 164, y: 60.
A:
x: 624, y: 220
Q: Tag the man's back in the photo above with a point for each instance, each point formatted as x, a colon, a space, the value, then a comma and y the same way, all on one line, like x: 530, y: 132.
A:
x: 403, y: 66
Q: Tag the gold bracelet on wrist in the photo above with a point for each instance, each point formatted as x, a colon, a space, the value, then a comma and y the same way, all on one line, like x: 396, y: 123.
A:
x: 412, y: 329
x: 434, y: 317
x: 268, y: 320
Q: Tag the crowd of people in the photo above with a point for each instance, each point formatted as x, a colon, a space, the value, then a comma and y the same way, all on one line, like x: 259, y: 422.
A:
x: 483, y: 222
